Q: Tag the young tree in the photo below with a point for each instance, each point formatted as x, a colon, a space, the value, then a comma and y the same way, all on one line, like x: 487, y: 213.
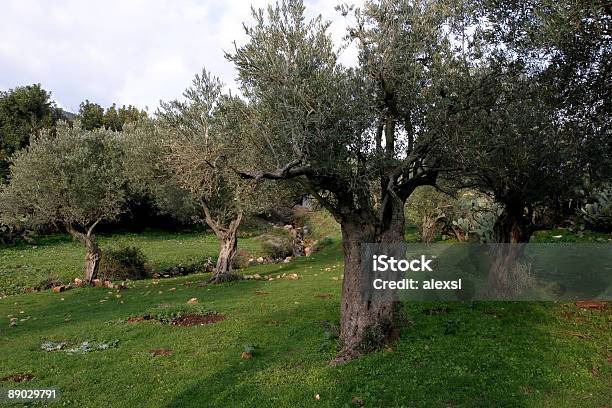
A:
x: 359, y: 140
x: 72, y: 179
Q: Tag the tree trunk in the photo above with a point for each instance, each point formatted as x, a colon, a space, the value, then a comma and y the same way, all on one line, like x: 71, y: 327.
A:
x: 92, y: 259
x: 93, y: 253
x: 510, y: 232
x: 364, y: 324
x: 229, y: 246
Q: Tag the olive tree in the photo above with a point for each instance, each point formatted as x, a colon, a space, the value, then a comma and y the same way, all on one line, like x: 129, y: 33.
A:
x: 186, y: 158
x: 72, y: 179
x: 359, y: 140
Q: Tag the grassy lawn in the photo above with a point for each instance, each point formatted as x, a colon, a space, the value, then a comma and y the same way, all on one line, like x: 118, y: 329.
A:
x: 451, y: 354
x: 60, y: 256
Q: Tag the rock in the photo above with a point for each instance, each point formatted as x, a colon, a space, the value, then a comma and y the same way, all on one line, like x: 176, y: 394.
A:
x: 97, y: 283
x: 156, y: 275
x: 288, y: 227
x: 287, y: 259
x: 108, y: 284
x: 245, y: 355
x: 78, y: 282
x: 293, y: 276
x: 257, y: 276
x: 318, y: 397
x: 308, y: 251
x: 61, y: 288
x: 260, y: 260
x: 192, y: 301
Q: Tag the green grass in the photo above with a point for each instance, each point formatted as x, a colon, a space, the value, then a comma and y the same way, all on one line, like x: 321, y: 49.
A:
x: 59, y: 256
x: 481, y: 354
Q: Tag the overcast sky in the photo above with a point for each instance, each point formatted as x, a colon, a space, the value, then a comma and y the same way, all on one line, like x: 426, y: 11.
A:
x: 126, y: 51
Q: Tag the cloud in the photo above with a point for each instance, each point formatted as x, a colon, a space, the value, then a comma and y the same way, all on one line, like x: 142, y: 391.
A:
x: 129, y: 52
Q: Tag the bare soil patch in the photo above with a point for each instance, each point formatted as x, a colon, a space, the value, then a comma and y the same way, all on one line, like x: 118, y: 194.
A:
x: 160, y: 352
x: 592, y: 304
x: 18, y: 378
x: 197, y: 320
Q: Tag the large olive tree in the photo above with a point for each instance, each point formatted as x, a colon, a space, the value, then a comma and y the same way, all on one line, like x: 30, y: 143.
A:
x: 73, y: 179
x: 359, y: 140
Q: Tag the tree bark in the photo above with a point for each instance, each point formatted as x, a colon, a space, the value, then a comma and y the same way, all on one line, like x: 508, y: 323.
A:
x: 93, y: 253
x: 229, y: 247
x: 365, y: 324
x: 510, y: 232
x: 92, y: 259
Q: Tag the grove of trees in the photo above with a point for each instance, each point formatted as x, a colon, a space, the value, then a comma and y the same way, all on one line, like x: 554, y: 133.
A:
x: 511, y: 100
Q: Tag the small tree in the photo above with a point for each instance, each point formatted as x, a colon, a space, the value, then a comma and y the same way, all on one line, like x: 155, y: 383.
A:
x: 73, y: 179
x: 186, y: 162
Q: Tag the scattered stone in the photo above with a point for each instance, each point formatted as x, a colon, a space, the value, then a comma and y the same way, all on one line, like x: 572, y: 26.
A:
x: 78, y: 282
x: 260, y: 260
x: 192, y: 301
x: 245, y: 355
x: 308, y: 251
x: 61, y: 288
x: 287, y: 259
x: 97, y: 283
x: 292, y: 276
x: 108, y: 284
x: 318, y: 397
x: 257, y: 276
x: 288, y: 227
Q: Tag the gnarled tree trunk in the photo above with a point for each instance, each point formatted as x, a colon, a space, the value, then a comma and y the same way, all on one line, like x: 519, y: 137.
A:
x: 93, y: 253
x: 229, y: 246
x: 365, y: 323
x: 510, y: 232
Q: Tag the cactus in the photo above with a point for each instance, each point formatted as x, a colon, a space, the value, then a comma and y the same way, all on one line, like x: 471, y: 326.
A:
x: 598, y: 214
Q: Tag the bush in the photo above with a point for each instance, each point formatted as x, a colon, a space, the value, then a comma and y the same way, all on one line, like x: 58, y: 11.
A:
x: 241, y: 260
x: 322, y: 244
x: 124, y: 263
x: 277, y: 244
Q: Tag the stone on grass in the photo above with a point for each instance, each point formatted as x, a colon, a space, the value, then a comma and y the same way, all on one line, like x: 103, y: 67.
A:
x: 192, y: 301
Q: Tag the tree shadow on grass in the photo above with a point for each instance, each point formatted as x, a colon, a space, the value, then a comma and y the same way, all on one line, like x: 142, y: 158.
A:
x: 491, y: 354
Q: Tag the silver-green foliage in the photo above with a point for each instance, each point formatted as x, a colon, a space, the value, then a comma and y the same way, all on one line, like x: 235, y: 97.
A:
x: 72, y: 177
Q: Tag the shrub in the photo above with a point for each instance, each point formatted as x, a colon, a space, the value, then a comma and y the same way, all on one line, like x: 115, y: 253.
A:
x: 124, y: 263
x: 322, y: 243
x: 277, y: 244
x: 241, y: 260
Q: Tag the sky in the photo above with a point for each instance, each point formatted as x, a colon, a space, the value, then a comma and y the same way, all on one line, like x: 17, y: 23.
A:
x: 128, y: 51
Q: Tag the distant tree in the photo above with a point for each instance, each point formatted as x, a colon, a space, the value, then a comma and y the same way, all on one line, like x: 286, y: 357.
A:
x: 111, y: 119
x: 115, y: 119
x: 129, y: 114
x: 91, y: 115
x: 73, y: 179
x: 24, y: 111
